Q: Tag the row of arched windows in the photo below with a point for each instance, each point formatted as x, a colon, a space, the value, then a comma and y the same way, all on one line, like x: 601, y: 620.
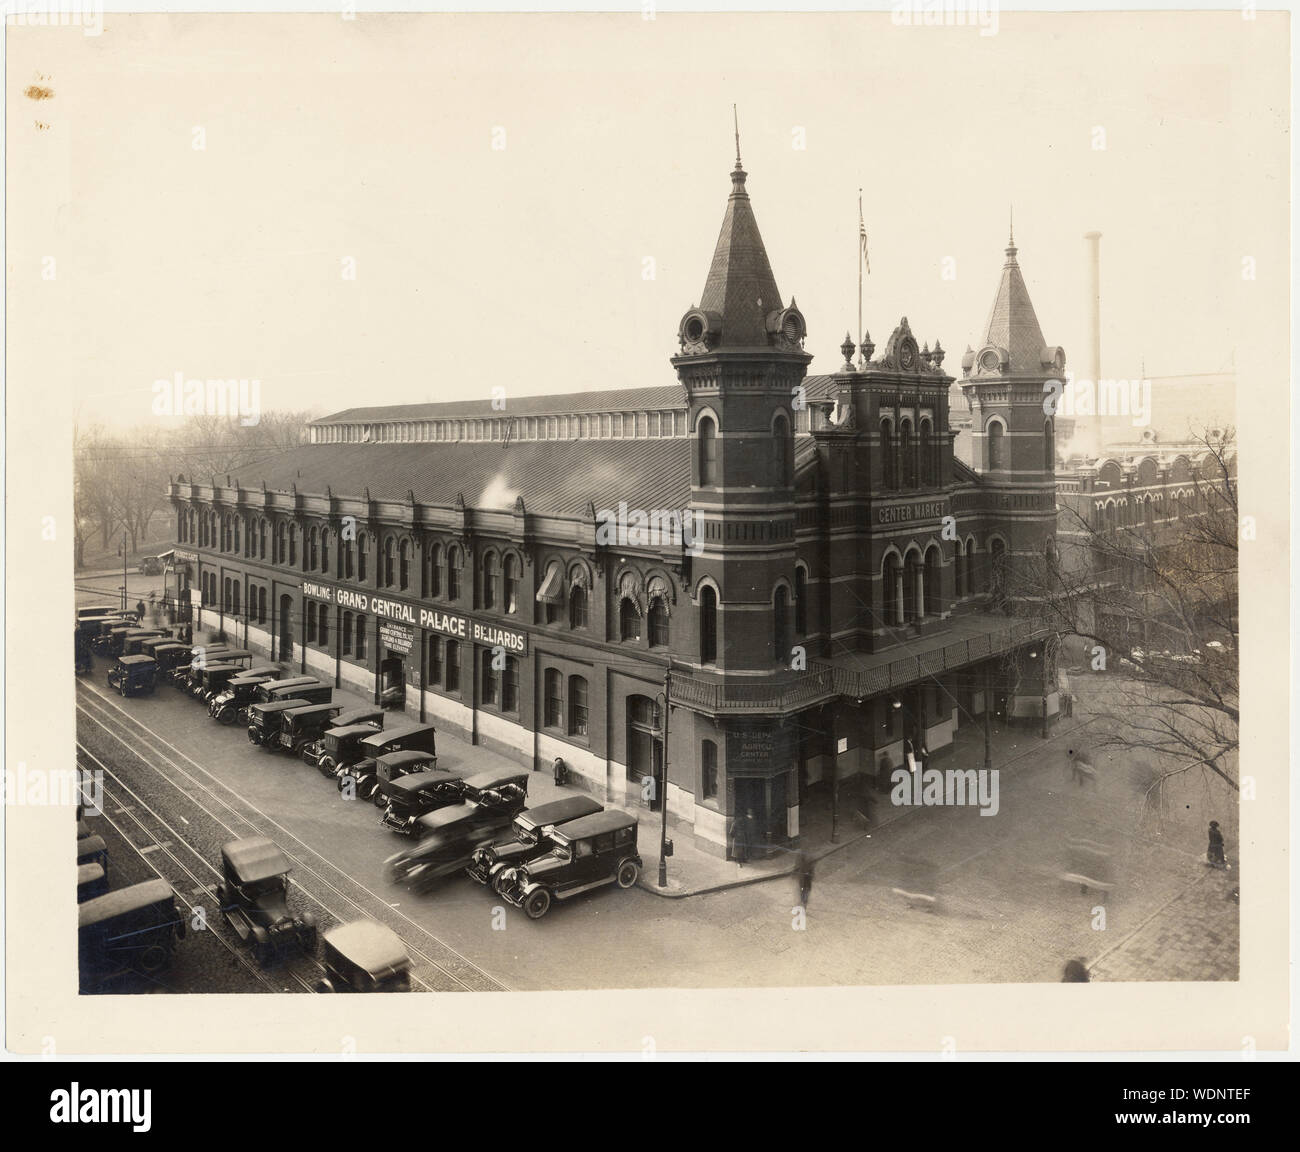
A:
x: 909, y: 459
x: 706, y: 451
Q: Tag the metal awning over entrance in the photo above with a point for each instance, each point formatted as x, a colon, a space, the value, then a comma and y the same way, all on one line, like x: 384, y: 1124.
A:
x: 552, y: 589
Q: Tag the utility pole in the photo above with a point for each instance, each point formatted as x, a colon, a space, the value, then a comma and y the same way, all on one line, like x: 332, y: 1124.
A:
x: 123, y: 569
x: 664, y: 847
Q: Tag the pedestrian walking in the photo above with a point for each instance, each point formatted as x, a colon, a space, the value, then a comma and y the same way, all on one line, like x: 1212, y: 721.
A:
x: 804, y: 868
x: 1214, y: 853
x: 1076, y: 972
x: 742, y: 834
x: 139, y: 609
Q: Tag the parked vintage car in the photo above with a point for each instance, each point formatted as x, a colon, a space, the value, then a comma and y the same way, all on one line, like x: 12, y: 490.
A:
x: 364, y: 956
x: 410, y: 797
x: 99, y: 621
x: 265, y: 721
x: 201, y: 655
x: 92, y: 850
x: 269, y: 693
x: 230, y: 704
x: 137, y: 641
x: 91, y: 882
x: 134, y: 929
x: 212, y: 680
x: 169, y: 655
x: 494, y: 790
x: 449, y: 837
x: 253, y: 897
x: 234, y: 660
x: 361, y: 774
x: 360, y: 722
x: 114, y: 641
x: 89, y: 611
x: 133, y: 675
x: 395, y: 765
x: 151, y: 565
x: 300, y: 726
x: 530, y: 837
x: 588, y: 853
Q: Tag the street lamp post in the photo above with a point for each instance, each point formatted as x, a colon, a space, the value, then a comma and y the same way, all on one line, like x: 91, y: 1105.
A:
x: 666, y: 696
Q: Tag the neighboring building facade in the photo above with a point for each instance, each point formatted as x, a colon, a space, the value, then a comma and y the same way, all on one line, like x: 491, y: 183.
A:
x: 797, y: 562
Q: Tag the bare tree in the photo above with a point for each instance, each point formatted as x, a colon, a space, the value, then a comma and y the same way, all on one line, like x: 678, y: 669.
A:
x: 1159, y: 598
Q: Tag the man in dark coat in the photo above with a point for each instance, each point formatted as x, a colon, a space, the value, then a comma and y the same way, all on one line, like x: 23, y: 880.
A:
x: 804, y: 870
x: 1214, y: 854
x: 742, y: 836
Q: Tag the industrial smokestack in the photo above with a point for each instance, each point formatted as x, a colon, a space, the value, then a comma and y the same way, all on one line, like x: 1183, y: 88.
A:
x: 1090, y: 427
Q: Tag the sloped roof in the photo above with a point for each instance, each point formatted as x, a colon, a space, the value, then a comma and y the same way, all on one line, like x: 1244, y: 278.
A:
x: 740, y: 286
x: 561, y: 404
x: 558, y: 477
x: 1012, y: 323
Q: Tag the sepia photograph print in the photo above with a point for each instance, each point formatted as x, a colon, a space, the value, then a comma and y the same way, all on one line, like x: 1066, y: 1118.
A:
x: 762, y: 531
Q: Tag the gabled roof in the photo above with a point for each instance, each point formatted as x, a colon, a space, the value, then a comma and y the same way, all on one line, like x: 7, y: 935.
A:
x: 1012, y: 323
x: 740, y: 288
x: 561, y: 404
x: 558, y: 477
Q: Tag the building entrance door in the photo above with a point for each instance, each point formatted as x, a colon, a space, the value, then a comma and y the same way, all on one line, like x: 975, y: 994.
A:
x: 645, y: 750
x: 392, y: 680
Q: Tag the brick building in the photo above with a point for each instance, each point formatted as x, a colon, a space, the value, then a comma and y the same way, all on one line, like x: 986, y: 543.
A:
x: 797, y: 563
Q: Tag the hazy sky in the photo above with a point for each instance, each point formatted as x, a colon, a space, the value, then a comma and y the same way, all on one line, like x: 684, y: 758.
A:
x: 524, y: 267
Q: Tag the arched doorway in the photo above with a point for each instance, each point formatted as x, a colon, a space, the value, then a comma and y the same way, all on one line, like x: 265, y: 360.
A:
x: 645, y: 749
x: 286, y: 627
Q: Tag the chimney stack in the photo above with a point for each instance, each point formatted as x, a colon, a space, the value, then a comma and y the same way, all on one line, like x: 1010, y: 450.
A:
x: 1090, y: 429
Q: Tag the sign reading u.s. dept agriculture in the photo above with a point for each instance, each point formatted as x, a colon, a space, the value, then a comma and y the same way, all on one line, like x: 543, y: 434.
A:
x: 467, y: 628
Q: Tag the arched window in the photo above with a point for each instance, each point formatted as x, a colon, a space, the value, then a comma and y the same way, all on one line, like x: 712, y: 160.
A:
x: 997, y: 449
x: 781, y: 625
x: 323, y: 623
x: 361, y: 636
x: 404, y: 565
x: 913, y: 590
x: 435, y: 659
x: 959, y: 570
x: 1049, y: 447
x: 709, y: 769
x: 707, y: 431
x: 888, y: 460
x: 491, y: 679
x: 928, y: 470
x: 293, y: 545
x: 434, y: 572
x: 261, y: 539
x: 577, y: 706
x: 313, y: 549
x: 553, y: 708
x: 658, y: 623
x: 311, y: 622
x: 933, y: 575
x: 800, y: 602
x: 453, y: 572
x: 261, y: 605
x: 629, y: 620
x: 905, y: 452
x: 510, y: 685
x: 578, y: 616
x: 511, y: 569
x: 782, y: 451
x: 998, y: 569
x: 708, y: 625
x: 281, y: 544
x: 325, y: 550
x: 390, y: 556
x: 363, y: 549
x: 345, y: 640
x: 348, y: 549
x: 491, y: 576
x: 453, y: 666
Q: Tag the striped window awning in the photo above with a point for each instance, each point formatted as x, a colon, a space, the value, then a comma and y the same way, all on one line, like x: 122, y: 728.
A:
x: 552, y: 588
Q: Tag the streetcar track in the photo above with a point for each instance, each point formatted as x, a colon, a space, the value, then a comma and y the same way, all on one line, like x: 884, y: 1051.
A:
x: 163, y: 849
x: 475, y: 974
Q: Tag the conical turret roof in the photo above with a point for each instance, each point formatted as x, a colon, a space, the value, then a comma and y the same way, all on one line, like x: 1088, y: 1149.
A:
x: 741, y: 288
x: 1012, y: 323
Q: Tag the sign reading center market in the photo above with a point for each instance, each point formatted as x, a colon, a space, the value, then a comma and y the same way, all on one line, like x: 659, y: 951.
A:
x: 904, y: 513
x: 434, y: 619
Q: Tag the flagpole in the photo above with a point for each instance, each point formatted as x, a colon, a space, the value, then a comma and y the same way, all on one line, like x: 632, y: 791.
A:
x: 859, y: 265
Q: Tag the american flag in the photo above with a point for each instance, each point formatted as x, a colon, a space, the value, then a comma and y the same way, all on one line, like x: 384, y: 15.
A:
x: 862, y: 238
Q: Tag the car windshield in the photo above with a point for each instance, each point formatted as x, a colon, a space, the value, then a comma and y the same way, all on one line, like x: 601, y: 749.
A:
x: 563, y: 853
x: 259, y: 888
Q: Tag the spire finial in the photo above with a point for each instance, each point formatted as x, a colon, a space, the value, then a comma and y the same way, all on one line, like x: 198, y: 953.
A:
x: 735, y: 119
x: 1011, y: 231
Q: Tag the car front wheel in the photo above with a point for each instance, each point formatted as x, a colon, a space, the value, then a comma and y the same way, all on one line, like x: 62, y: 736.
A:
x: 627, y: 874
x: 537, y: 904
